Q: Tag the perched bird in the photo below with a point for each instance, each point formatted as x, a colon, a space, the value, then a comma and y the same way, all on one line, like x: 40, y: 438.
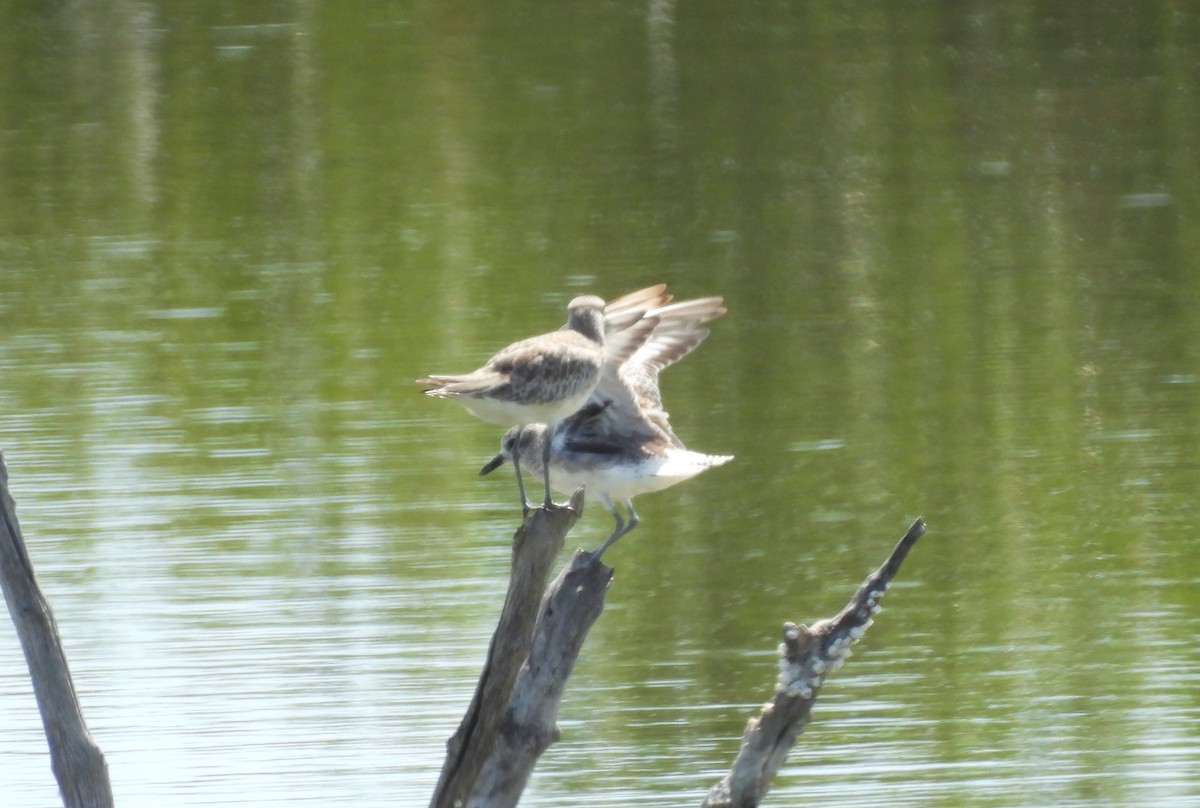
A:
x: 620, y: 444
x: 546, y: 378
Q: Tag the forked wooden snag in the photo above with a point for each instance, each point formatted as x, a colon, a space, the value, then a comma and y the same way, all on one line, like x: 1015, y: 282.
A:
x: 571, y: 606
x: 512, y: 720
x: 535, y: 545
x: 77, y: 761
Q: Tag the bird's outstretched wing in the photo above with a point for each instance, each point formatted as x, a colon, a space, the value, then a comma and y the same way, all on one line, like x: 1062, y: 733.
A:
x: 627, y: 400
x: 628, y: 323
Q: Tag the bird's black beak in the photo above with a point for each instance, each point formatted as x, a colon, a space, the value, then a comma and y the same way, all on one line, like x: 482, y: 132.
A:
x: 493, y: 464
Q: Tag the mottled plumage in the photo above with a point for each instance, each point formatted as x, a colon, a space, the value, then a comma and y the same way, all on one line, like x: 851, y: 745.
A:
x: 546, y: 378
x: 620, y: 444
x: 540, y: 379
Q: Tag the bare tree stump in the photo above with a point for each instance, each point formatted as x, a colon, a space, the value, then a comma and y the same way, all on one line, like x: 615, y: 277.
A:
x: 807, y: 655
x: 572, y: 605
x: 535, y: 545
x: 77, y: 761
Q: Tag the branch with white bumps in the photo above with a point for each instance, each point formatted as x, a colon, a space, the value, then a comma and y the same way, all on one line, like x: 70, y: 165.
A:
x: 807, y: 656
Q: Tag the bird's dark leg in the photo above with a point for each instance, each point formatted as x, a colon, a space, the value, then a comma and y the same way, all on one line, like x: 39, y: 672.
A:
x: 633, y: 517
x: 516, y: 459
x: 546, y: 463
x: 621, y: 529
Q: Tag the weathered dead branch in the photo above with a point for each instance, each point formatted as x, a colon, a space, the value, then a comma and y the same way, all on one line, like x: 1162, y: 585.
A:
x: 512, y: 719
x: 76, y: 760
x: 807, y: 656
x: 535, y: 545
x: 571, y: 606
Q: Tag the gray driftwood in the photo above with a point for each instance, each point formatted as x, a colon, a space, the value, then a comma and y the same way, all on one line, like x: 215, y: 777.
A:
x: 807, y: 655
x: 76, y: 760
x: 535, y: 545
x: 512, y: 719
x: 572, y: 604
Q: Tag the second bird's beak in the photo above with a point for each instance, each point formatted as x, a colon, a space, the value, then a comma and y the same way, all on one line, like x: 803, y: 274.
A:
x: 493, y: 464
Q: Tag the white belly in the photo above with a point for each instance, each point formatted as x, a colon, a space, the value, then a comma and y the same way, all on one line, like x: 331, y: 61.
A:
x: 623, y: 481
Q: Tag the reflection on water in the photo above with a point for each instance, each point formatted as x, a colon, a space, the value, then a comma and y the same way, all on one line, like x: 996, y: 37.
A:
x: 958, y: 254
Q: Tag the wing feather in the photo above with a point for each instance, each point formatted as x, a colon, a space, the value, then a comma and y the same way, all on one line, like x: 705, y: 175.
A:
x: 627, y: 400
x: 626, y: 310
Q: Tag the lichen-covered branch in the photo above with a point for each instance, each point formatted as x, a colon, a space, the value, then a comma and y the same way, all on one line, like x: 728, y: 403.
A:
x: 77, y: 761
x: 807, y: 656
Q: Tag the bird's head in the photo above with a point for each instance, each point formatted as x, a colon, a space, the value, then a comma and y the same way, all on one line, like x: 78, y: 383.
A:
x: 529, y: 447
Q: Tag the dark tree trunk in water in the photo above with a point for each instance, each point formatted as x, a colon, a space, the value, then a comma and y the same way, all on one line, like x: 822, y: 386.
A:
x: 77, y: 762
